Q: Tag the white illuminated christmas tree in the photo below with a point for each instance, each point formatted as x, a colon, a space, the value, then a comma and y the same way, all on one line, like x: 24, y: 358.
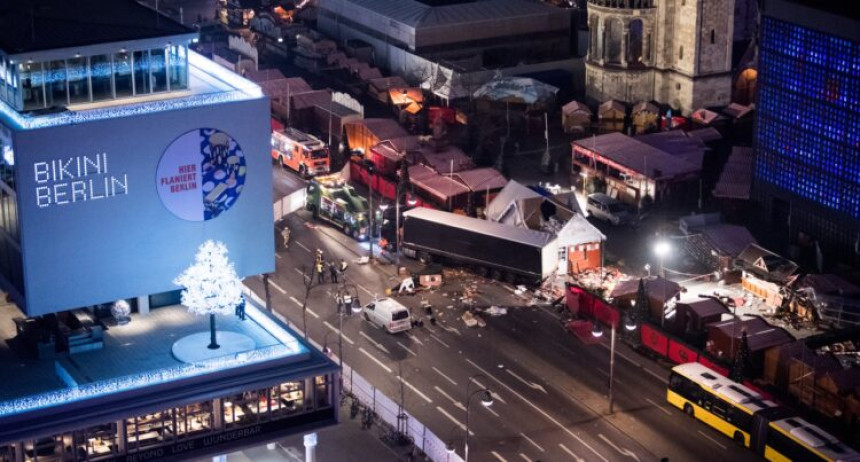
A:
x: 211, y: 285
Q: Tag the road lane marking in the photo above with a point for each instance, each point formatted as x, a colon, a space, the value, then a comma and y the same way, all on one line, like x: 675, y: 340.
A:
x: 335, y: 329
x: 302, y: 246
x: 607, y: 374
x: 532, y: 442
x: 372, y: 294
x: 531, y: 385
x: 407, y: 348
x: 367, y: 353
x: 525, y: 457
x: 426, y: 398
x: 440, y: 341
x: 416, y: 339
x: 445, y: 376
x: 454, y: 419
x: 450, y: 329
x: 278, y: 256
x: 277, y: 287
x: 456, y: 403
x: 623, y: 452
x: 654, y: 374
x: 297, y: 302
x: 299, y: 271
x: 374, y: 342
x: 540, y: 411
x: 565, y: 449
x: 498, y: 456
x: 658, y: 406
x: 712, y: 440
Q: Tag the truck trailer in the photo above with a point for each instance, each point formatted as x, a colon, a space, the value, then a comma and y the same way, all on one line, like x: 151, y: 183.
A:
x: 502, y: 251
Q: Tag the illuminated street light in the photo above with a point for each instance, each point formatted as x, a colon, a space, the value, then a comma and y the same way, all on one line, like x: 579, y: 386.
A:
x: 661, y: 249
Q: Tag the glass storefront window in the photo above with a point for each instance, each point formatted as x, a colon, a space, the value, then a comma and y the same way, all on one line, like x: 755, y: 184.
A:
x: 30, y: 76
x: 100, y: 72
x: 158, y: 69
x: 50, y: 448
x: 141, y: 72
x: 149, y: 430
x: 55, y: 84
x: 79, y: 85
x: 194, y: 419
x: 122, y: 74
x: 97, y: 442
x: 178, y: 66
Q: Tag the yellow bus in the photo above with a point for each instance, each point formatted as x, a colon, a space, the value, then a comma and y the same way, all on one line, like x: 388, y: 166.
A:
x: 742, y: 414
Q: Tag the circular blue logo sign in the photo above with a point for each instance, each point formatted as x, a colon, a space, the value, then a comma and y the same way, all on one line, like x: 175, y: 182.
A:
x: 201, y: 174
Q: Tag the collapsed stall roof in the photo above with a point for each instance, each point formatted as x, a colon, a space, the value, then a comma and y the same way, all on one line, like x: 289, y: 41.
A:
x: 523, y: 235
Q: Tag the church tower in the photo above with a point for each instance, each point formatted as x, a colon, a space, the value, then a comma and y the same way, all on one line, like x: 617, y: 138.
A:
x: 676, y: 52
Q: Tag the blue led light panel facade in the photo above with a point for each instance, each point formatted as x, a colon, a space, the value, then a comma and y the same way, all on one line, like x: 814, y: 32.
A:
x: 808, y: 127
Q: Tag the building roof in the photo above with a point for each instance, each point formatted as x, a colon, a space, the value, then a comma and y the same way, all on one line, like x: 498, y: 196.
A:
x: 724, y: 238
x: 481, y: 179
x: 736, y: 111
x: 736, y: 178
x: 645, y: 106
x: 634, y: 154
x: 760, y: 334
x: 578, y: 230
x: 705, y: 307
x: 38, y: 25
x: 385, y: 83
x: 575, y: 107
x: 704, y: 116
x: 448, y: 159
x: 441, y: 186
x: 611, y: 108
x: 767, y: 264
x: 511, y: 193
x: 513, y: 233
x: 417, y: 14
x: 310, y: 99
x: 656, y: 288
x: 383, y: 128
x: 679, y: 144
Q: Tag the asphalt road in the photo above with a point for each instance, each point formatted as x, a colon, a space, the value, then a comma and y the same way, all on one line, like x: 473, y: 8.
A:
x: 551, y: 387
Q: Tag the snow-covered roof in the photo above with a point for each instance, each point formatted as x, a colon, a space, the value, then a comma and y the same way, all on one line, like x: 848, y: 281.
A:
x: 534, y: 238
x: 578, y: 230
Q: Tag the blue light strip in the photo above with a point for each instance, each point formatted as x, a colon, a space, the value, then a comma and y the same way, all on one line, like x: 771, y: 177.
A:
x: 244, y: 90
x: 288, y: 347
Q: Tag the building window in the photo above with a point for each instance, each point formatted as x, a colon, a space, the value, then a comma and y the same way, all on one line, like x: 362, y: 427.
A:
x: 56, y: 84
x: 177, y: 61
x: 681, y: 52
x: 122, y: 77
x: 96, y: 442
x: 101, y: 81
x: 79, y: 81
x: 31, y: 85
x: 158, y: 69
x: 142, y: 83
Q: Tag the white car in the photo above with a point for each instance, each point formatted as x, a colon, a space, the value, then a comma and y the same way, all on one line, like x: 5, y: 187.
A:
x: 388, y: 314
x: 605, y: 208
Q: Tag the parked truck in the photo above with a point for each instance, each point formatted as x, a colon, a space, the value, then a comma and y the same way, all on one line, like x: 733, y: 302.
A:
x: 301, y: 152
x: 331, y: 199
x: 493, y: 249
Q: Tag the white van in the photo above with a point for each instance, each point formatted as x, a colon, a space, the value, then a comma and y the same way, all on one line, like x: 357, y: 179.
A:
x: 388, y: 314
x: 605, y: 208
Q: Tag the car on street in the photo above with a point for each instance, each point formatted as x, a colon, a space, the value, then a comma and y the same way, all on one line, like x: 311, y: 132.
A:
x: 605, y: 208
x: 388, y: 314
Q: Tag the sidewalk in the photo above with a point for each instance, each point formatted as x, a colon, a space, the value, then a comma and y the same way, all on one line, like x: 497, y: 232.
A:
x: 346, y: 442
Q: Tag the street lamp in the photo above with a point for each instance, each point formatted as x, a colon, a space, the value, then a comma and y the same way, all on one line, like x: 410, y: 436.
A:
x: 487, y: 401
x: 410, y: 201
x: 661, y: 249
x: 648, y: 269
x: 597, y: 332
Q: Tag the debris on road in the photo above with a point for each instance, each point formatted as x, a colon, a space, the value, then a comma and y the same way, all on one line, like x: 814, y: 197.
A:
x: 496, y: 311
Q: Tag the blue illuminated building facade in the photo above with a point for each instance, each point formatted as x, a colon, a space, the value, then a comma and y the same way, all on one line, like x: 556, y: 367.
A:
x: 807, y: 172
x: 121, y: 151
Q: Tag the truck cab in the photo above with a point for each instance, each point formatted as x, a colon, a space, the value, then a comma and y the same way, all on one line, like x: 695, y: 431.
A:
x: 331, y: 199
x: 301, y: 152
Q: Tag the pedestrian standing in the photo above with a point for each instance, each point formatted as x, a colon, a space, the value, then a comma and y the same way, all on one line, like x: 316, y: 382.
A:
x: 332, y: 269
x: 320, y: 272
x: 240, y: 309
x: 286, y: 235
x: 343, y: 266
